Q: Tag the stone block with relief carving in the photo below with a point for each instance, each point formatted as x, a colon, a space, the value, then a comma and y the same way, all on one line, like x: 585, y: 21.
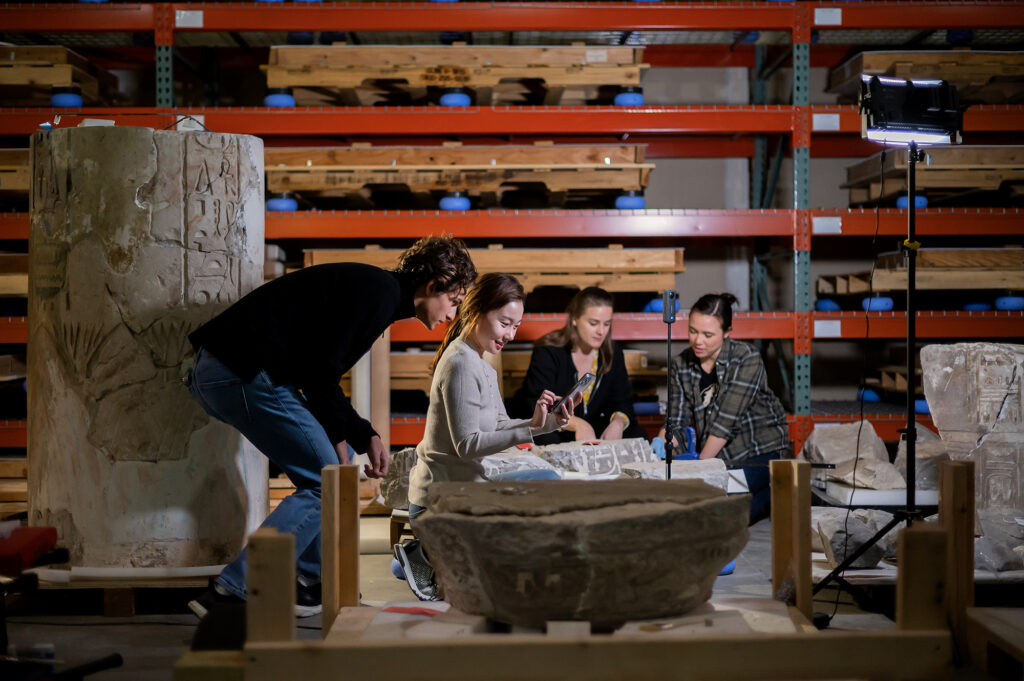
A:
x: 606, y: 552
x: 711, y: 471
x: 605, y: 457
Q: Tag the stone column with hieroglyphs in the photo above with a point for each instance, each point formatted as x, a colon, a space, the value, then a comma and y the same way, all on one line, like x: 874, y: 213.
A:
x: 137, y: 238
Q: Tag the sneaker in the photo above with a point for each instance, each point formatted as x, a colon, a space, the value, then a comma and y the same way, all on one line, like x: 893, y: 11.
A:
x: 308, y: 599
x: 214, y: 596
x: 418, y: 571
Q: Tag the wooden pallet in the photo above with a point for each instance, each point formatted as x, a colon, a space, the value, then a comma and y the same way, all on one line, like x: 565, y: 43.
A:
x: 614, y: 268
x: 343, y: 171
x: 28, y: 73
x: 980, y: 77
x: 944, y: 174
x: 938, y: 269
x: 353, y: 75
x: 15, y: 170
x: 893, y: 379
x: 929, y: 606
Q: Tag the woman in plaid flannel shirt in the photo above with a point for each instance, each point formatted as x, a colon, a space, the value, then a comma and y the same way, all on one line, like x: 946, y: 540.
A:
x: 720, y: 385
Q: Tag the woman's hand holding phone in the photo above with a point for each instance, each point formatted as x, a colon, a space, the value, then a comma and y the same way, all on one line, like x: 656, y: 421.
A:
x: 545, y: 406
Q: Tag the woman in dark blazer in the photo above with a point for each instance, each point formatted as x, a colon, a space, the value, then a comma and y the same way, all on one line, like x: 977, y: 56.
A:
x: 583, y: 345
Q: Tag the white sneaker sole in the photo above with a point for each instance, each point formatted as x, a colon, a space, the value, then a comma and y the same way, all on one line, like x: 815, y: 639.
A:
x: 308, y: 610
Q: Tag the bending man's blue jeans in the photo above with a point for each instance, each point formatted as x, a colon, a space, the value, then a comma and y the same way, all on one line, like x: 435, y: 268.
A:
x: 275, y: 419
x: 415, y: 510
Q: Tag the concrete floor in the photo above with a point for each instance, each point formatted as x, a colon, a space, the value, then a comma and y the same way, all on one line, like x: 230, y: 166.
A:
x: 150, y: 644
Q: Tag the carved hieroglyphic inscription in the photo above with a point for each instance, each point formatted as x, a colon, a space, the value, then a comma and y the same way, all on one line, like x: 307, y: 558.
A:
x: 138, y: 237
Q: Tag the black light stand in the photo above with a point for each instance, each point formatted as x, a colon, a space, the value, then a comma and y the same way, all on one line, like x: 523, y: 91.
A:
x: 894, y: 110
x: 668, y: 315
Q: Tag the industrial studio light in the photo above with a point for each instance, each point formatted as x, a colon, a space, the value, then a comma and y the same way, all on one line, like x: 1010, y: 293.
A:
x: 899, y: 111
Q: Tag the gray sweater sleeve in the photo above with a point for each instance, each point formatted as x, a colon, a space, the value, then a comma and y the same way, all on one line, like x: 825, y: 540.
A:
x: 471, y: 400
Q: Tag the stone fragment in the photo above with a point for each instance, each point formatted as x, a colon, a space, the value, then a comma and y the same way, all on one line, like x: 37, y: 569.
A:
x: 394, y: 486
x: 137, y: 238
x: 711, y: 471
x: 820, y: 514
x: 512, y: 461
x: 843, y: 536
x: 605, y: 552
x: 602, y: 458
x: 839, y: 444
x: 929, y: 454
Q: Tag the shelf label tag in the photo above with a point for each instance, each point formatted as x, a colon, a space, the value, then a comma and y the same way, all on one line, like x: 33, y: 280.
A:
x: 828, y: 328
x: 194, y: 123
x: 826, y: 225
x: 825, y: 122
x: 828, y: 16
x: 596, y: 56
x: 188, y: 18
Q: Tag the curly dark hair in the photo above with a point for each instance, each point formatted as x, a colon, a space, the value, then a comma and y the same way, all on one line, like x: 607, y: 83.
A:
x: 442, y: 259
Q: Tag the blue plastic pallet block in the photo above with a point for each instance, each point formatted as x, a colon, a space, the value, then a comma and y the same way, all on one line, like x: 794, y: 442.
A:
x: 868, y: 395
x: 879, y: 304
x: 746, y: 37
x: 827, y: 305
x: 630, y: 202
x: 66, y: 100
x: 977, y: 307
x: 921, y: 407
x: 629, y: 97
x: 645, y: 408
x: 329, y: 37
x: 1010, y: 303
x: 729, y: 568
x: 656, y: 305
x: 396, y: 569
x: 279, y: 100
x: 957, y: 36
x: 455, y: 202
x: 282, y: 203
x: 455, y: 98
x: 919, y: 201
x: 300, y: 38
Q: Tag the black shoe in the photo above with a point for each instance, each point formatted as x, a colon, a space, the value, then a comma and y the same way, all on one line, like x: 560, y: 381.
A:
x: 418, y: 571
x: 210, y: 599
x: 308, y: 599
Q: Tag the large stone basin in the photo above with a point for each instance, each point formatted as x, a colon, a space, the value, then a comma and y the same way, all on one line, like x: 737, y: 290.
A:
x: 603, y: 551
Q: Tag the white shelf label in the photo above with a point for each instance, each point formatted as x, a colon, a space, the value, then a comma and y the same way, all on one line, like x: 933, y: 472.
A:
x: 828, y: 328
x: 596, y: 56
x: 825, y: 122
x: 828, y: 16
x: 194, y: 123
x: 188, y: 18
x: 824, y: 225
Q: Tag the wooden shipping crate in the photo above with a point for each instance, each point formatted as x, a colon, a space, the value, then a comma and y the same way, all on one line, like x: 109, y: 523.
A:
x: 345, y: 171
x: 28, y: 73
x: 980, y: 77
x: 354, y: 75
x: 945, y: 174
x: 614, y: 268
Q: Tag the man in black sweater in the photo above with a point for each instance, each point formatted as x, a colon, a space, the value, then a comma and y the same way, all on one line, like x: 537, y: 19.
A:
x: 270, y: 364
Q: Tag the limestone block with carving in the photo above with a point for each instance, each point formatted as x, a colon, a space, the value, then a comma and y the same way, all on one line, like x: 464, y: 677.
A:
x: 602, y: 458
x: 137, y: 238
x: 975, y: 392
x: 601, y: 551
x: 512, y: 461
x: 711, y: 471
x: 394, y: 486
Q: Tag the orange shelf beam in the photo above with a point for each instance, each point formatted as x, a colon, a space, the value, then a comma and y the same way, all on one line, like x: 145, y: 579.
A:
x: 930, y: 324
x: 929, y: 221
x: 13, y: 330
x: 503, y: 224
x: 628, y: 327
x: 13, y: 434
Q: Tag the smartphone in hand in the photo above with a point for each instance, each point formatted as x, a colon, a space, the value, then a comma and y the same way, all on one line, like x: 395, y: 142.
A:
x: 585, y: 382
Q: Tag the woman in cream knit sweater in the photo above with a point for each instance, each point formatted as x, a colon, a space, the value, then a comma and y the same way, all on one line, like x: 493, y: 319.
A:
x: 466, y: 419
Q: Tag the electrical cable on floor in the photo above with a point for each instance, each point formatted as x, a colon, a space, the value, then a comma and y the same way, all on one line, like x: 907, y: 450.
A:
x: 863, y: 375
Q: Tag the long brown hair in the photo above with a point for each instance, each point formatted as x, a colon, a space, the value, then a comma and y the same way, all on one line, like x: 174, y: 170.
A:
x: 492, y: 291
x: 592, y: 296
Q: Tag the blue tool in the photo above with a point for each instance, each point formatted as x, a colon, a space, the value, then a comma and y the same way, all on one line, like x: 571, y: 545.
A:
x: 689, y: 444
